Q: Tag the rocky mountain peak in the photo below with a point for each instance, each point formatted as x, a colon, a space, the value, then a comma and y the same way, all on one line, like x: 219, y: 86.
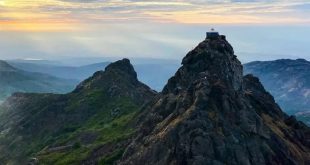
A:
x: 123, y: 66
x: 212, y: 61
x: 208, y: 113
x: 119, y: 79
x: 117, y: 73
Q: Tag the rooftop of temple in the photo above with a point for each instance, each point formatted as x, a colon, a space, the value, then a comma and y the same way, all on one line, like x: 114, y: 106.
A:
x: 212, y: 34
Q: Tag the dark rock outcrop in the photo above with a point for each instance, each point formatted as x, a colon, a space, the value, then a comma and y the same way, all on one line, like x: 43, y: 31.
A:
x: 118, y: 80
x: 208, y: 113
x: 123, y: 65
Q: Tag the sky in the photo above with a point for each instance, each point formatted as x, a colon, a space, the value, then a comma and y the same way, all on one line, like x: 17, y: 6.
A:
x: 59, y: 29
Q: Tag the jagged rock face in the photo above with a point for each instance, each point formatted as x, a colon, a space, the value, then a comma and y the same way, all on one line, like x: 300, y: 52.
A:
x: 209, y: 114
x: 211, y: 59
x: 123, y: 66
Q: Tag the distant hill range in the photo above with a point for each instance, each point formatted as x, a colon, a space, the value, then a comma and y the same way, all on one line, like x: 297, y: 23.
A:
x: 61, y: 71
x: 17, y: 80
x: 288, y: 81
x: 153, y: 72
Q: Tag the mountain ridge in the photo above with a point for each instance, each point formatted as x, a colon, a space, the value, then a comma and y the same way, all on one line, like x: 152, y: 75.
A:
x: 98, y: 110
x: 289, y: 82
x: 144, y: 68
x: 209, y: 113
x: 16, y: 80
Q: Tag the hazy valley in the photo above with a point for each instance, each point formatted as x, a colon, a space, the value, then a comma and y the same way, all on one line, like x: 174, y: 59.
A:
x: 16, y: 80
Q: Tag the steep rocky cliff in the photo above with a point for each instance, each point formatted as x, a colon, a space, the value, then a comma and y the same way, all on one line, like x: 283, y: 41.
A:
x: 208, y: 113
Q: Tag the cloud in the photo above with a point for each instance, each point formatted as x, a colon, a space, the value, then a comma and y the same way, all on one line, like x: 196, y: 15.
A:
x: 181, y: 11
x: 82, y: 1
x: 301, y: 7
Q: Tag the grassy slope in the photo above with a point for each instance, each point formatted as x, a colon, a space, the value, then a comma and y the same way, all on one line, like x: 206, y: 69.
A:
x: 108, y: 123
x: 105, y: 129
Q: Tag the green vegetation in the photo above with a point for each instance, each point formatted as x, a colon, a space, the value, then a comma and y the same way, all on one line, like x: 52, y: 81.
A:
x: 108, y: 130
x: 108, y: 123
x: 71, y: 128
